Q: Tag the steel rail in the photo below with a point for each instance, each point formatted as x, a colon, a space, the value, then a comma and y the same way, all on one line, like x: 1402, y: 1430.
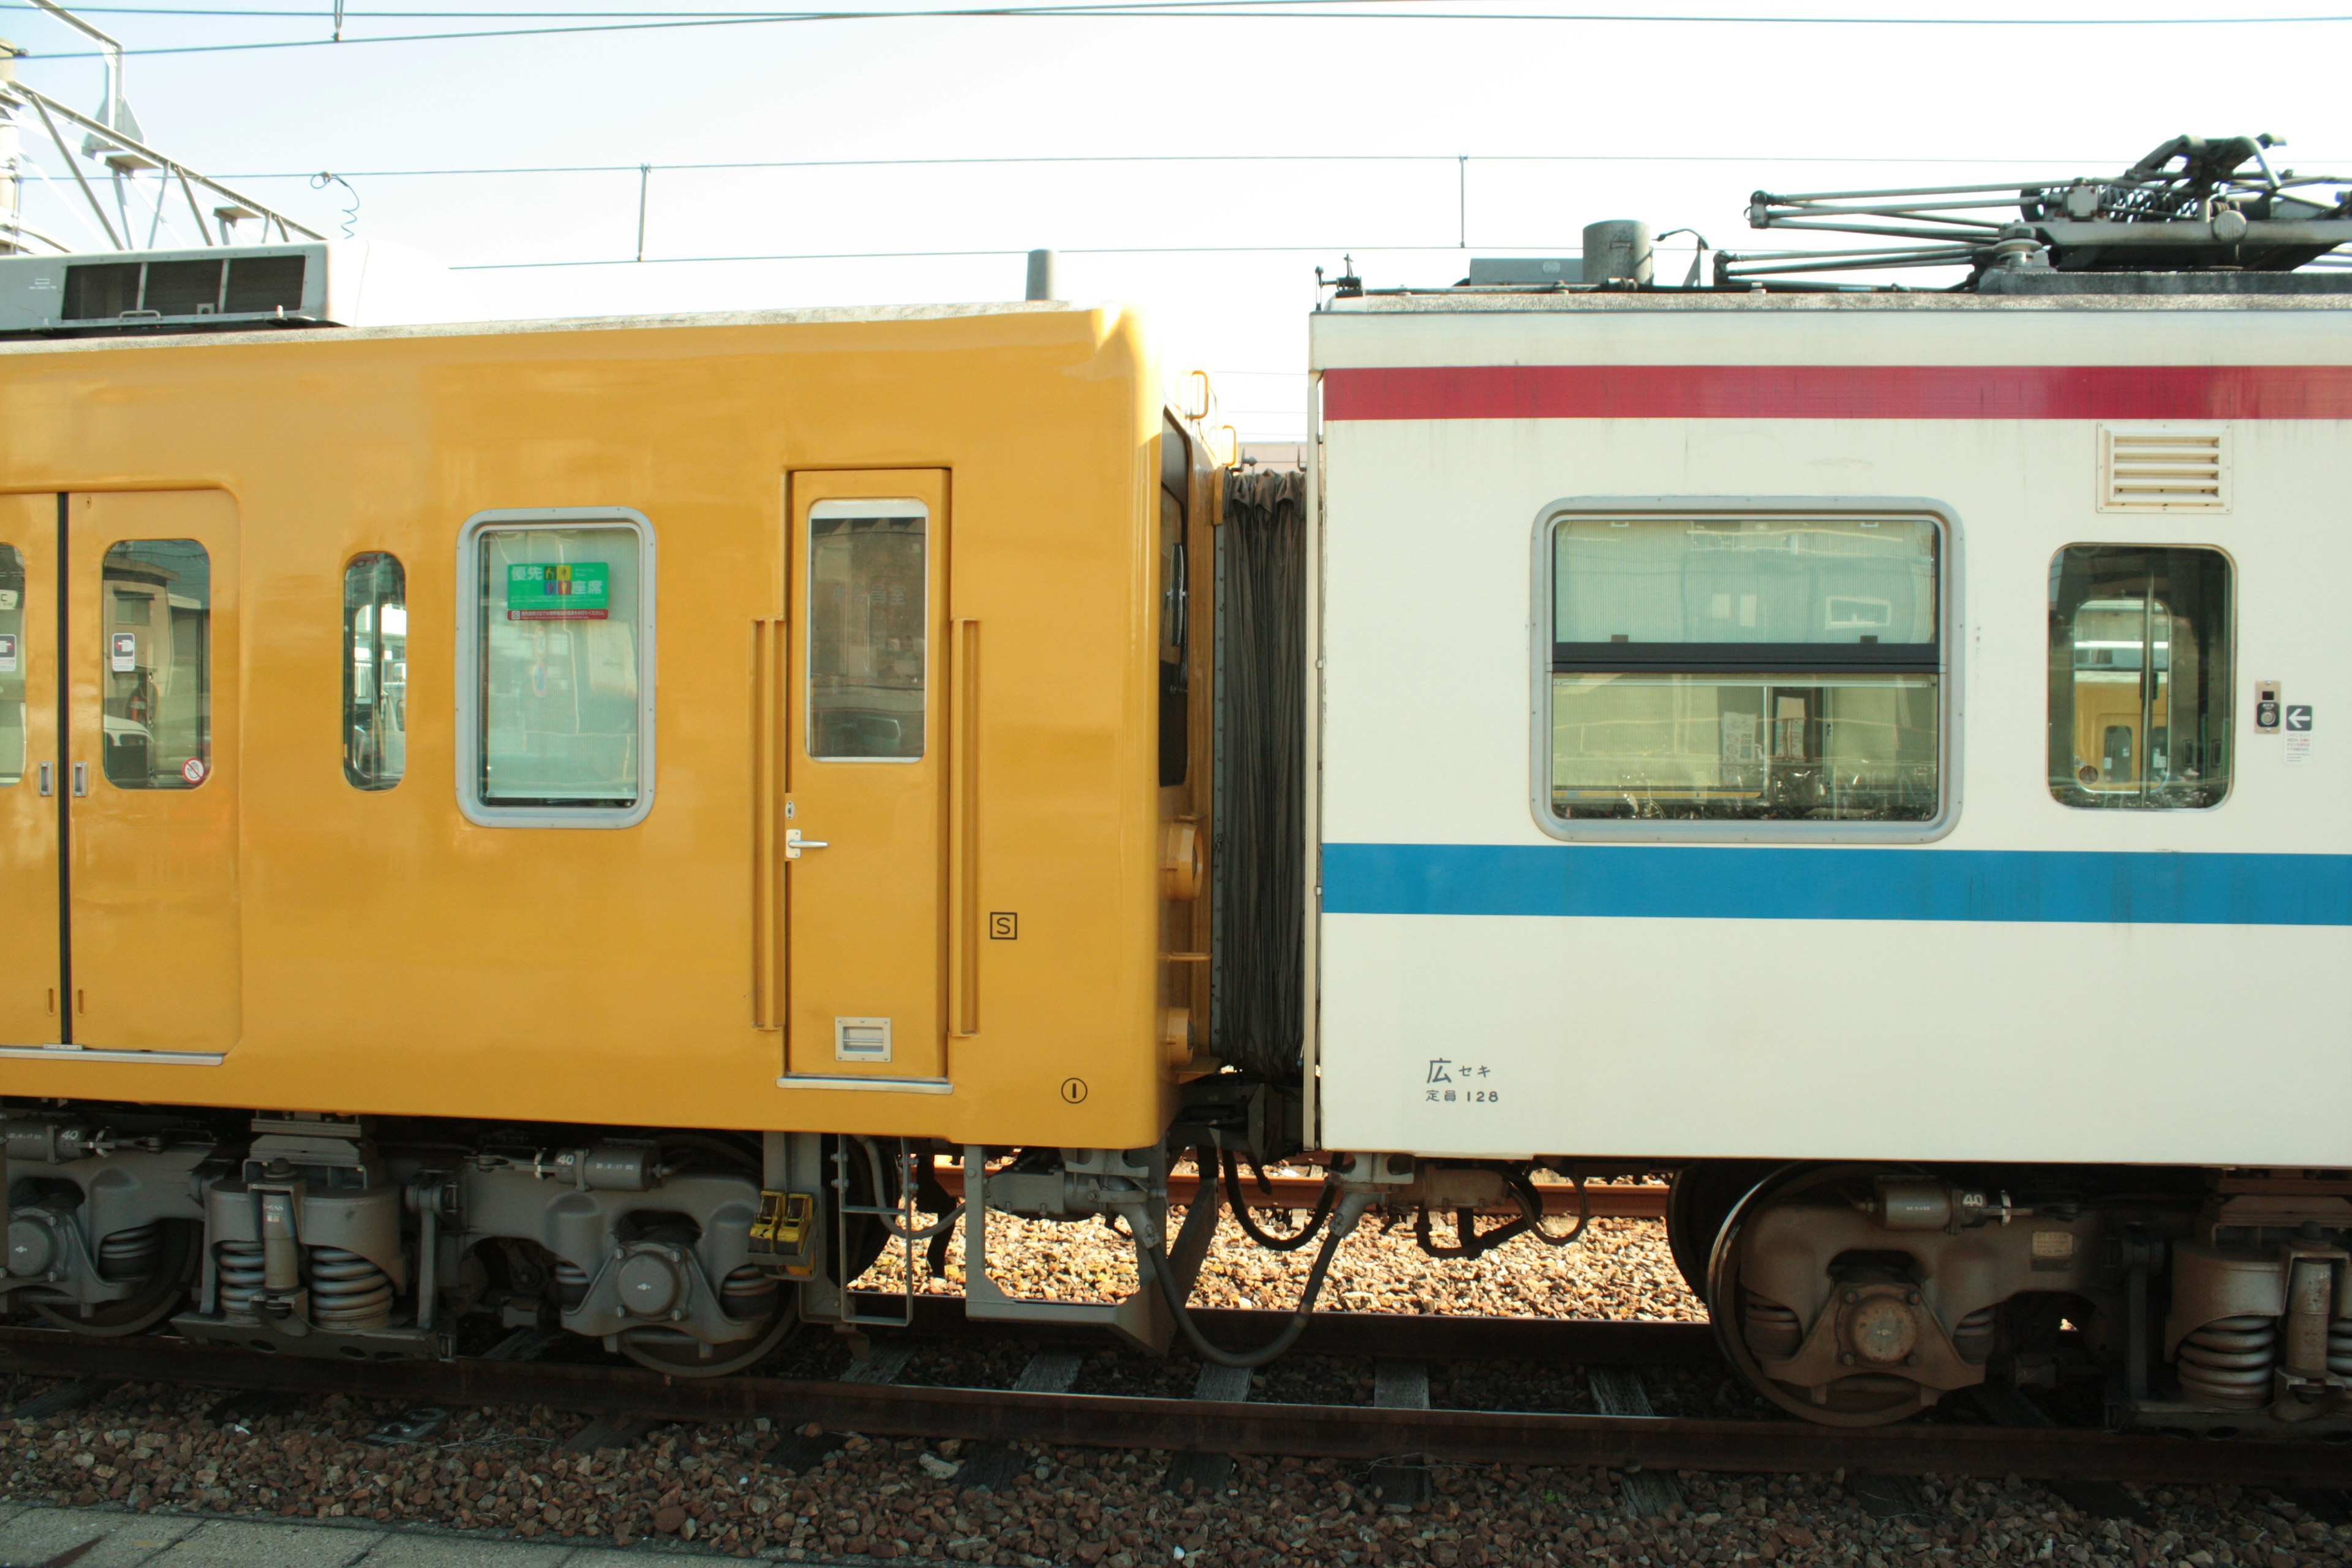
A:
x: 1348, y: 1432
x: 1610, y: 1342
x: 1638, y: 1201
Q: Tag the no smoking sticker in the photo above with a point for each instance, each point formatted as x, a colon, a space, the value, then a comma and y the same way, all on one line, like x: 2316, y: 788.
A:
x: 192, y: 770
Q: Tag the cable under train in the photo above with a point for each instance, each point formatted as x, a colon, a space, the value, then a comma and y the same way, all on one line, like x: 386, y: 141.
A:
x: 566, y: 824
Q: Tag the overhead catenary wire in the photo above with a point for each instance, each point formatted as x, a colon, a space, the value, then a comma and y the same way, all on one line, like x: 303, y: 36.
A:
x: 752, y: 165
x: 1227, y: 10
x: 616, y: 14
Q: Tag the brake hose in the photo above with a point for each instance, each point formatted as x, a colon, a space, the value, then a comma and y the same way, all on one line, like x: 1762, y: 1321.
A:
x: 1153, y: 1259
x: 1272, y: 1243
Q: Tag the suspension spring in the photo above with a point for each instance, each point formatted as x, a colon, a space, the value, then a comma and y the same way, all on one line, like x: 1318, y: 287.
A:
x: 1972, y: 1336
x: 238, y: 1264
x: 347, y: 1291
x: 2339, y: 1347
x: 2228, y: 1361
x: 747, y: 1293
x: 131, y: 1254
x: 570, y: 1284
x: 1772, y: 1329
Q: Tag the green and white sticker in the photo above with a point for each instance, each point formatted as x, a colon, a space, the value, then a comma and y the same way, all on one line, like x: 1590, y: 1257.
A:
x: 580, y: 593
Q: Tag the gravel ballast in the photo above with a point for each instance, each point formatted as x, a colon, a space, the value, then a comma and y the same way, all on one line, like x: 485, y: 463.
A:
x: 767, y: 1488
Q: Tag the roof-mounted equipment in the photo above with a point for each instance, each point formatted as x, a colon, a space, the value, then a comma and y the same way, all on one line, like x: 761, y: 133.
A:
x: 2193, y: 205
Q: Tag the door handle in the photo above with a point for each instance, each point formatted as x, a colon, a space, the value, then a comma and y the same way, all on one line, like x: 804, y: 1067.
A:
x: 81, y: 780
x: 49, y: 778
x: 794, y: 844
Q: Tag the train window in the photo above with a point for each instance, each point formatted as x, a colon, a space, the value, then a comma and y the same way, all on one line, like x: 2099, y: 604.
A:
x: 376, y: 672
x: 1175, y: 606
x: 557, y: 668
x: 2139, y: 676
x: 868, y: 618
x: 12, y: 665
x: 156, y: 645
x: 1744, y: 668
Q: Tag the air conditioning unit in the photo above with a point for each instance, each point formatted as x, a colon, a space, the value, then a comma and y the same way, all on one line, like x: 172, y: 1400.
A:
x: 226, y: 289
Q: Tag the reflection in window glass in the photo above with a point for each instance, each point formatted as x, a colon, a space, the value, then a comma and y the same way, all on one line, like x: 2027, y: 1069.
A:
x: 156, y: 603
x: 12, y: 665
x: 1746, y: 668
x: 2139, y: 676
x: 1844, y: 748
x: 376, y: 672
x: 561, y: 617
x: 1745, y: 580
x: 868, y: 617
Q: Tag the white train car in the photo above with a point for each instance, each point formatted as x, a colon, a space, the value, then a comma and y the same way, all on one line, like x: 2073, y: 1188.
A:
x: 1900, y: 739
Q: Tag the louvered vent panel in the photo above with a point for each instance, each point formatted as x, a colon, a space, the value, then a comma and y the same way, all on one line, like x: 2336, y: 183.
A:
x: 2164, y: 467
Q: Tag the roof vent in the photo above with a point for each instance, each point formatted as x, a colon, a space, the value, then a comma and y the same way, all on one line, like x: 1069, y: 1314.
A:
x: 2164, y: 467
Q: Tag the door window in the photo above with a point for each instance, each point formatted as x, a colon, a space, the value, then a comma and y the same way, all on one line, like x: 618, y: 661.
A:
x: 12, y: 665
x: 376, y: 672
x: 156, y: 718
x: 2139, y: 676
x: 868, y: 656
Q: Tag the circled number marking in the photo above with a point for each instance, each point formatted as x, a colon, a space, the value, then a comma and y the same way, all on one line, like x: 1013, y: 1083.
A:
x: 1074, y: 1089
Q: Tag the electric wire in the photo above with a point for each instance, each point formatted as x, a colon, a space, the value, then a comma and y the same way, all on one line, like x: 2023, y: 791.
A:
x: 1450, y: 159
x: 232, y: 13
x: 1182, y: 10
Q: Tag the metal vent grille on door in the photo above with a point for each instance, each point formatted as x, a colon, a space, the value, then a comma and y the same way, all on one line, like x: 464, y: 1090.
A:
x: 2164, y: 467
x: 861, y: 1040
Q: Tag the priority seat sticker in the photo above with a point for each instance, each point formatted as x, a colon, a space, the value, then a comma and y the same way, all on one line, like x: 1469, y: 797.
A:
x: 575, y: 593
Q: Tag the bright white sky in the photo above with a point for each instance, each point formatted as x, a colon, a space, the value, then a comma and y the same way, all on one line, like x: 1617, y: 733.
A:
x: 1563, y: 121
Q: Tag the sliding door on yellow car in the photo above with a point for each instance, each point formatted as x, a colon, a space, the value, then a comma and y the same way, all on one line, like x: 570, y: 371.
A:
x: 149, y: 649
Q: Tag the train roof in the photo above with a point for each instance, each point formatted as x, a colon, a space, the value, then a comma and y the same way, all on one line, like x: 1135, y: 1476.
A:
x: 2163, y: 291
x: 703, y: 321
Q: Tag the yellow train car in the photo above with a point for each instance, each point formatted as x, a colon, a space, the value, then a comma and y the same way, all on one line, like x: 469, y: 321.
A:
x: 703, y: 746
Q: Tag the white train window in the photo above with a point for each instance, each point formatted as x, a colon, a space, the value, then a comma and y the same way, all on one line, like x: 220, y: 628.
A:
x: 555, y: 669
x: 2139, y: 676
x: 1744, y: 668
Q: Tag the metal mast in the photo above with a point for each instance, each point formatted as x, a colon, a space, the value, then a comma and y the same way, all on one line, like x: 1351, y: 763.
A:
x: 113, y: 139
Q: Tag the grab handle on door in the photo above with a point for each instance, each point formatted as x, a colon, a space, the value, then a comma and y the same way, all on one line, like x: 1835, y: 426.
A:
x: 963, y: 827
x: 49, y: 778
x: 794, y: 844
x: 81, y: 780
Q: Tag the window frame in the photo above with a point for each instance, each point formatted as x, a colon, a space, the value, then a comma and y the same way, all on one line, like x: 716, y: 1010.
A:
x: 467, y: 667
x: 1949, y: 693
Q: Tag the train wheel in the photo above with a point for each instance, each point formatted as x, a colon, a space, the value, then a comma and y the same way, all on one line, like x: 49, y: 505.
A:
x: 1864, y: 1399
x: 681, y: 1355
x: 163, y: 1293
x: 1701, y: 1199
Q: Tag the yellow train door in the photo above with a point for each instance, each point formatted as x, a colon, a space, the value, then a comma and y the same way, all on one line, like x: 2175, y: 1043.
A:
x: 865, y: 830
x: 30, y: 1009
x: 149, y: 653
